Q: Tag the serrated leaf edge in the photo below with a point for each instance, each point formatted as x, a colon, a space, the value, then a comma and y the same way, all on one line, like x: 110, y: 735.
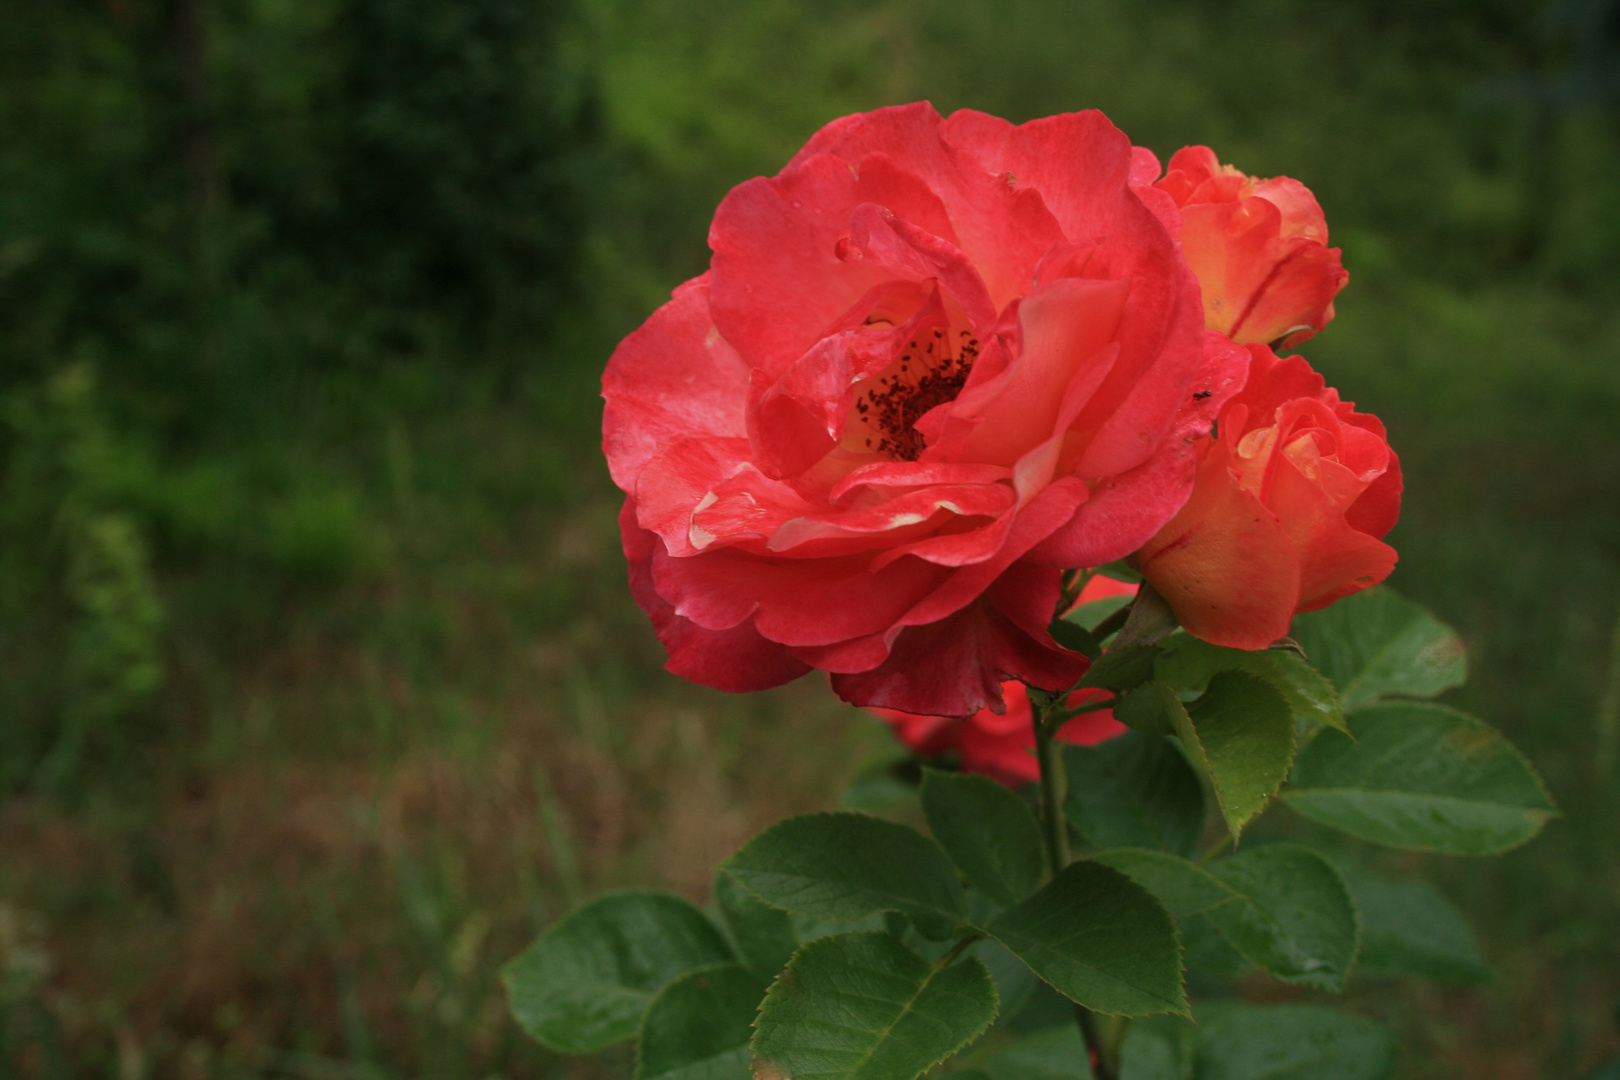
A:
x: 641, y: 1026
x: 1181, y: 959
x: 960, y: 916
x: 1355, y: 915
x: 506, y: 970
x: 995, y: 994
x: 1236, y: 830
x: 952, y: 778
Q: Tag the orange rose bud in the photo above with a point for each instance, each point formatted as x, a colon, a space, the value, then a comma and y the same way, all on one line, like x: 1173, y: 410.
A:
x: 1258, y: 248
x: 1293, y: 495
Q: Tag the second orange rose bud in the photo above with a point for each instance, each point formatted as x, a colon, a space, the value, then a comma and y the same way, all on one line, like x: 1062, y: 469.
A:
x: 1258, y: 248
x: 1294, y: 493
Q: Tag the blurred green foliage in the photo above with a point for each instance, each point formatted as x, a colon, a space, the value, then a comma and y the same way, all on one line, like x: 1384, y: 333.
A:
x: 321, y: 689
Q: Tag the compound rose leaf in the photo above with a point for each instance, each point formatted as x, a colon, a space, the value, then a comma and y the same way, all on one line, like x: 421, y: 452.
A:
x: 698, y: 1026
x: 989, y: 833
x: 845, y: 866
x: 1100, y: 939
x: 862, y: 1006
x: 1378, y: 643
x: 1421, y: 776
x: 1135, y: 791
x: 1242, y: 734
x: 585, y: 983
x: 1293, y: 914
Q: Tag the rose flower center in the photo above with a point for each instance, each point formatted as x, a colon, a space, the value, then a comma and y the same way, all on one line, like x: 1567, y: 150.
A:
x: 928, y: 373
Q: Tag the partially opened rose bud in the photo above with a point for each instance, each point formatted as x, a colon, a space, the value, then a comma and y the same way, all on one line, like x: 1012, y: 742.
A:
x: 1000, y: 747
x: 1294, y: 492
x: 1258, y: 248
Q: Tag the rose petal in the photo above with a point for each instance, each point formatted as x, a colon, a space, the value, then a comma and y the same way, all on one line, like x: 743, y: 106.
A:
x: 738, y: 660
x: 1126, y: 510
x: 1224, y: 563
x: 673, y: 378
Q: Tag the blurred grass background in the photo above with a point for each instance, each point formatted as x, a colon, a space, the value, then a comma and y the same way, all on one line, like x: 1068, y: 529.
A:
x: 320, y: 687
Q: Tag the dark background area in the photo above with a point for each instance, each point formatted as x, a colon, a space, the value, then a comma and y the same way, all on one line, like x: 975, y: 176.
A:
x: 321, y: 690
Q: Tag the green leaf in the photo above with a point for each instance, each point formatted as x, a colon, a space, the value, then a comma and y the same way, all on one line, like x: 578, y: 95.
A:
x: 845, y: 866
x: 1611, y: 1071
x: 1091, y: 614
x: 1183, y: 887
x: 1151, y: 707
x: 1100, y: 939
x: 1409, y: 928
x: 1242, y: 734
x: 585, y: 983
x: 1121, y: 668
x: 1421, y: 776
x: 1054, y: 1053
x: 764, y: 936
x: 1159, y: 1048
x: 1294, y: 915
x: 1189, y: 664
x: 988, y: 832
x: 1135, y: 791
x: 1076, y: 637
x: 1206, y: 952
x: 698, y: 1027
x: 863, y: 1006
x: 1015, y: 983
x: 1378, y: 643
x: 1292, y: 1042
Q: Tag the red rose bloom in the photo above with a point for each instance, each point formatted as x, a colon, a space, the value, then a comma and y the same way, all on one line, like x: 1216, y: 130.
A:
x: 1258, y: 247
x: 932, y: 362
x: 1293, y: 495
x: 1000, y: 747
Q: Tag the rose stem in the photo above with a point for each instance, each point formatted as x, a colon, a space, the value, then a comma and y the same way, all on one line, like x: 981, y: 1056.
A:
x: 1054, y: 793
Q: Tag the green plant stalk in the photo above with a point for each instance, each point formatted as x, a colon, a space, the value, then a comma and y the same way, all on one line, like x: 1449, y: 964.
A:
x: 1055, y: 826
x: 1056, y: 718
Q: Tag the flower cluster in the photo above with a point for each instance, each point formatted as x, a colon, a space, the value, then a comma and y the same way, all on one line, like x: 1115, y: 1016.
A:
x: 937, y: 362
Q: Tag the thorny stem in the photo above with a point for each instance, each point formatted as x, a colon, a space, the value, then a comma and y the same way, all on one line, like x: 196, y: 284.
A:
x: 1054, y: 793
